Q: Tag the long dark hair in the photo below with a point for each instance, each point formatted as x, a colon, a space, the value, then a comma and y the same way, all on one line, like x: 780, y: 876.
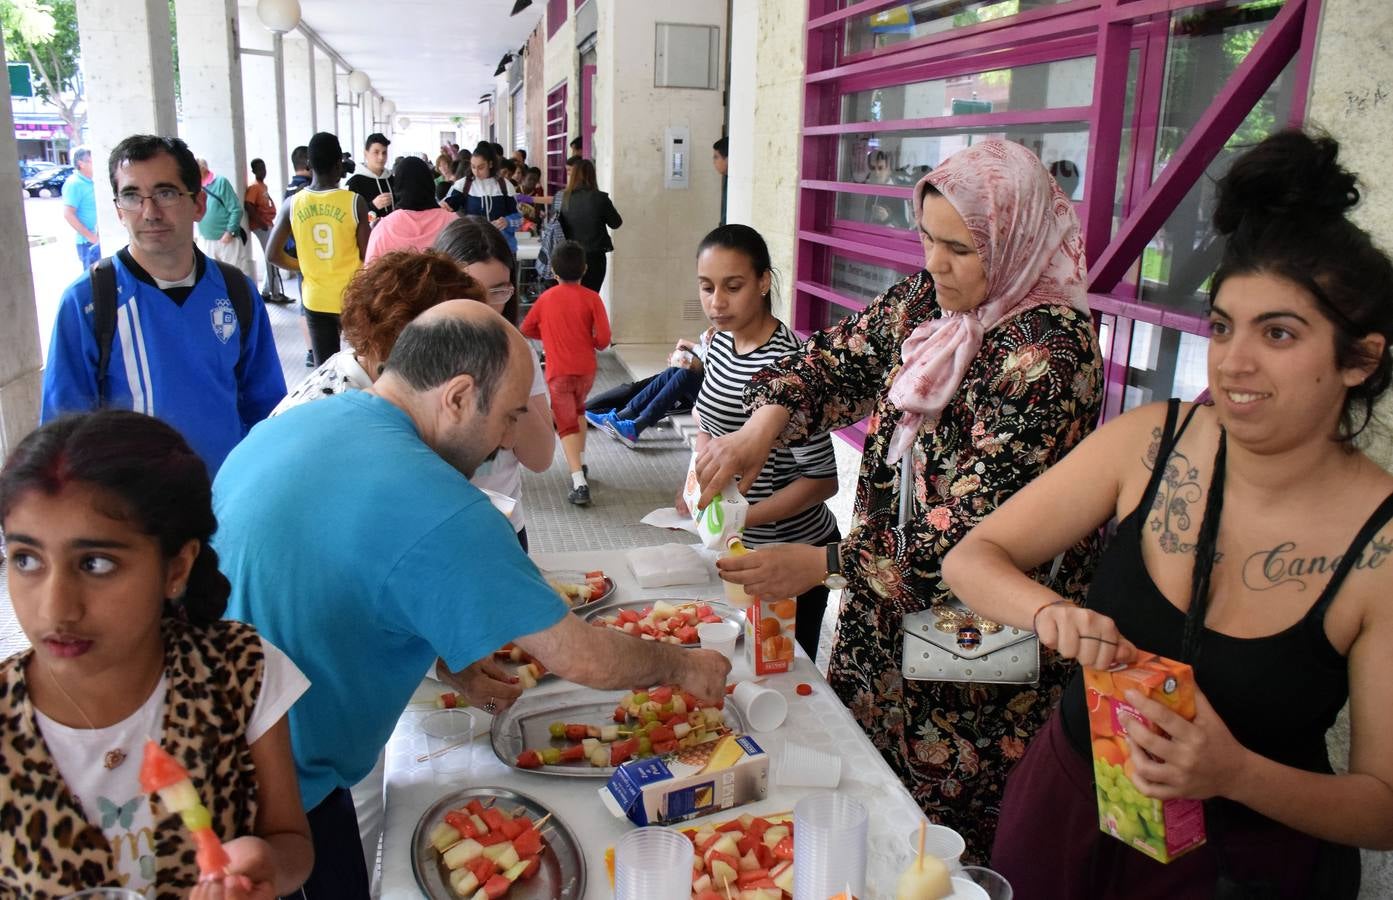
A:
x: 413, y: 184
x: 159, y: 485
x: 744, y: 239
x: 582, y: 178
x: 1282, y: 208
x: 474, y: 239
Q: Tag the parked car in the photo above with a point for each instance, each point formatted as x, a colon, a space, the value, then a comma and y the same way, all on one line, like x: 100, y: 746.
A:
x: 32, y: 168
x: 48, y: 184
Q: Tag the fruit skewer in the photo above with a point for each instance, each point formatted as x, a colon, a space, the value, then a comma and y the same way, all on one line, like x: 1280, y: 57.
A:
x: 162, y: 774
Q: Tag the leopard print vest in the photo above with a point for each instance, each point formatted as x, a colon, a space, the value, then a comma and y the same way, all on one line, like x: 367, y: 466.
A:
x: 48, y: 849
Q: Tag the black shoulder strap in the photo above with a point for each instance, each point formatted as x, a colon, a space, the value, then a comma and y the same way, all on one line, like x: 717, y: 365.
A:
x: 103, y: 319
x: 240, y: 296
x: 1352, y: 556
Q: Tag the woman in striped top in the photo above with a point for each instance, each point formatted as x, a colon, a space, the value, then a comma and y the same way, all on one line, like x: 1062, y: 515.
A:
x: 735, y: 280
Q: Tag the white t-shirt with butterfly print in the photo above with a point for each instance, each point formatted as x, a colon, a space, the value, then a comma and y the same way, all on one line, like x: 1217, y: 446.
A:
x: 112, y: 798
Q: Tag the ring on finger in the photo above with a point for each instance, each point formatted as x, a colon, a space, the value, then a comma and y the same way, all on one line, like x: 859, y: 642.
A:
x: 491, y: 707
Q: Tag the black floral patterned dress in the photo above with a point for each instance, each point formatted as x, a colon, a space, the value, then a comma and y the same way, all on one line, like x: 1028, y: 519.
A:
x: 1031, y: 394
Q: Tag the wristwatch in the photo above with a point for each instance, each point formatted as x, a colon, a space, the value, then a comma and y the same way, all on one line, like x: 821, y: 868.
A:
x: 835, y: 580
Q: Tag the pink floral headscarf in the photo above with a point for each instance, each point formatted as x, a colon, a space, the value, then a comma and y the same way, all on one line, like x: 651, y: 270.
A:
x: 1027, y: 236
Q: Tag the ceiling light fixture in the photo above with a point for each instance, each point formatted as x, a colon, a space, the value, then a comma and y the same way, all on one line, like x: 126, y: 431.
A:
x: 520, y: 6
x: 503, y: 64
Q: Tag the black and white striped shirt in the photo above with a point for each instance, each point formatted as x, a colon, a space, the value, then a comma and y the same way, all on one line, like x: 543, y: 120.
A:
x: 721, y: 410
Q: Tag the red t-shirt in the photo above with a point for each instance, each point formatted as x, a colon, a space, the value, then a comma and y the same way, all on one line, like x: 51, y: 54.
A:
x: 570, y: 319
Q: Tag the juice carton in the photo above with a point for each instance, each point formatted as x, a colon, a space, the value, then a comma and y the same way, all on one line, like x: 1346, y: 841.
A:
x: 1162, y: 829
x: 723, y: 518
x: 707, y: 778
x: 769, y: 636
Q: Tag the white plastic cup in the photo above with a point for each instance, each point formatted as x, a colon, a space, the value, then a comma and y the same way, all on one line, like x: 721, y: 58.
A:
x: 653, y: 864
x: 450, y: 741
x: 719, y: 636
x: 799, y: 766
x: 941, y: 842
x: 829, y: 846
x: 965, y: 889
x: 105, y: 893
x: 764, y: 709
x: 993, y: 885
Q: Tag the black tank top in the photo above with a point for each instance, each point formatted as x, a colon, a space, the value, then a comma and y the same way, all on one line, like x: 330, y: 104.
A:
x: 1277, y: 694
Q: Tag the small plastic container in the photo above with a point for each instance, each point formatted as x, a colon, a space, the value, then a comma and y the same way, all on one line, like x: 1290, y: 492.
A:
x: 799, y: 766
x: 653, y: 864
x: 764, y: 709
x: 993, y: 885
x: 450, y: 741
x: 719, y: 636
x: 939, y: 841
x: 829, y: 846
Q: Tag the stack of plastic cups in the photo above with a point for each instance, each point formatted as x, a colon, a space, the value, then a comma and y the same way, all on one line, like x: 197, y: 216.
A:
x: 653, y: 864
x: 829, y: 846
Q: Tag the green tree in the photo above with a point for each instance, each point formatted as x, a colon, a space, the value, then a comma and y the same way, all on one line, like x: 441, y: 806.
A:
x: 43, y: 33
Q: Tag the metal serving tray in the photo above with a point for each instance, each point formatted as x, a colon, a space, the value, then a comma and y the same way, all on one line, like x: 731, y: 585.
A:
x: 562, y: 874
x: 573, y: 577
x: 526, y: 725
x: 725, y: 611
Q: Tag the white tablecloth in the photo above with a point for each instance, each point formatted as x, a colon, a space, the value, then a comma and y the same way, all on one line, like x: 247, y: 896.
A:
x: 818, y: 721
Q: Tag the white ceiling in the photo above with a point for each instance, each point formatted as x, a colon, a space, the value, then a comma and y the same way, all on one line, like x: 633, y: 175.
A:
x: 424, y: 55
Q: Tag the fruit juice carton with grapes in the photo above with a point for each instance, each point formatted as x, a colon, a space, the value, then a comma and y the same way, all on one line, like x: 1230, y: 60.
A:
x: 691, y: 782
x: 723, y: 518
x: 1162, y: 829
x: 769, y: 635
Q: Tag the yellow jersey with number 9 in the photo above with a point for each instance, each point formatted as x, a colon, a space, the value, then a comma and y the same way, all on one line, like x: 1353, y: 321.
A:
x: 325, y: 226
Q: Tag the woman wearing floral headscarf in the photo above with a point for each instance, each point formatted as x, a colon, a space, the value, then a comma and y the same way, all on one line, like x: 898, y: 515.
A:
x: 984, y: 370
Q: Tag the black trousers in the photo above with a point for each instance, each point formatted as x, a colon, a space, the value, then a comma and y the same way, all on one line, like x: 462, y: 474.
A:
x: 324, y: 334
x: 594, y: 276
x: 340, y: 872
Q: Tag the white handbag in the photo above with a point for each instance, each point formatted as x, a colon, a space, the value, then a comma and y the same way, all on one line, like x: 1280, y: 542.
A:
x: 949, y: 642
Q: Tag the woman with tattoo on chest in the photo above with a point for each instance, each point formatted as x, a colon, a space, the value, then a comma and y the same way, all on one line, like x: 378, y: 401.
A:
x: 1254, y: 543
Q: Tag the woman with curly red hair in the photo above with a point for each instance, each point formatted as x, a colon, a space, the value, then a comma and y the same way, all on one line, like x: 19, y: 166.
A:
x: 377, y: 304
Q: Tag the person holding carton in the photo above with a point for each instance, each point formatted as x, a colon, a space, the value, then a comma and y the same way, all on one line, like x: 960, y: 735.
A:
x: 1253, y: 546
x: 571, y: 322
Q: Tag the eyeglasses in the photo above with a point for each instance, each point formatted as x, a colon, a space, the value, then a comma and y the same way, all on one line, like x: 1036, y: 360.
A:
x: 500, y: 294
x: 164, y: 198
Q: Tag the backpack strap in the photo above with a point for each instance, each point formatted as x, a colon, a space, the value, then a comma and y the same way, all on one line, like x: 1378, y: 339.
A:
x: 103, y: 319
x: 239, y: 294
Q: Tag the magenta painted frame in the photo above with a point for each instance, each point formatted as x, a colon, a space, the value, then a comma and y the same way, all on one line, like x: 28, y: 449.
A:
x: 1108, y: 30
x: 556, y: 15
x: 556, y: 138
x: 587, y: 110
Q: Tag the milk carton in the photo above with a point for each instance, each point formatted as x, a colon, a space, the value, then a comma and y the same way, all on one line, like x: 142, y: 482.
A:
x: 723, y: 518
x: 1162, y: 829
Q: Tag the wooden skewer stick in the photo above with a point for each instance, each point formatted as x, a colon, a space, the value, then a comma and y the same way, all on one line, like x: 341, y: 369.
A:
x: 923, y: 828
x: 725, y: 883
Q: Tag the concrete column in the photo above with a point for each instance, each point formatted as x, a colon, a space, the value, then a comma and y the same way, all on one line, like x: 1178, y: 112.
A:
x: 20, y: 363
x: 129, y: 77
x: 210, y: 80
x: 744, y: 75
x: 324, y: 95
x: 260, y: 126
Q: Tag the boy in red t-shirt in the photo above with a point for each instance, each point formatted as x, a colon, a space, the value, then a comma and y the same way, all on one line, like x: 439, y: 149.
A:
x: 571, y: 322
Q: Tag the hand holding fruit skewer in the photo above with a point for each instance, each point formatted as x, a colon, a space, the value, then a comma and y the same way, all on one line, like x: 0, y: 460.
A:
x: 243, y: 869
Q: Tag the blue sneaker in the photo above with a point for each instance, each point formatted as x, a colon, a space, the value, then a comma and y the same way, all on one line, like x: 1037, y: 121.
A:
x: 596, y: 420
x: 623, y: 429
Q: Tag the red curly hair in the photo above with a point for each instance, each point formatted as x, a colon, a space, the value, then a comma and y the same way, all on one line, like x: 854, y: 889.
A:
x: 397, y: 287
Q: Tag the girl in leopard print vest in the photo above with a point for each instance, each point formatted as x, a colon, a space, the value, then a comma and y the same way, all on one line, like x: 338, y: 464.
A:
x: 106, y: 519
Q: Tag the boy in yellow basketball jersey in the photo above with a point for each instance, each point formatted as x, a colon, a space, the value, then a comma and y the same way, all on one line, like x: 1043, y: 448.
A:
x: 330, y: 227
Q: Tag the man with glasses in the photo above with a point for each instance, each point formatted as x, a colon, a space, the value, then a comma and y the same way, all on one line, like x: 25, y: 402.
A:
x: 330, y: 227
x: 161, y: 330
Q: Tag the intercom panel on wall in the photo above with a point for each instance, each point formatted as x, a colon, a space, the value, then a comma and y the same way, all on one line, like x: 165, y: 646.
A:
x: 677, y: 157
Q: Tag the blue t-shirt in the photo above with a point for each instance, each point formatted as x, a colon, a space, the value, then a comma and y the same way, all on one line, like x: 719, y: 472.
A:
x: 363, y: 555
x: 176, y: 355
x: 80, y: 195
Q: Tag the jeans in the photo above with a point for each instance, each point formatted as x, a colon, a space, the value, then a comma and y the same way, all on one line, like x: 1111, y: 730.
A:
x: 88, y: 253
x: 669, y: 388
x: 324, y: 334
